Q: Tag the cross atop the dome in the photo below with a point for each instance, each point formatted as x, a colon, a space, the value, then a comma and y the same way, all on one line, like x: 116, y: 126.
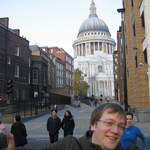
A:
x: 92, y: 9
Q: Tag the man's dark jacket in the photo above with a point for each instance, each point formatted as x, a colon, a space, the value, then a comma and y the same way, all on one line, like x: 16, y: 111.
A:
x: 53, y: 125
x: 83, y: 143
x: 18, y: 129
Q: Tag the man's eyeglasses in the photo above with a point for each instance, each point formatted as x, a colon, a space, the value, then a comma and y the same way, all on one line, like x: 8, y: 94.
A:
x: 129, y: 119
x: 111, y: 124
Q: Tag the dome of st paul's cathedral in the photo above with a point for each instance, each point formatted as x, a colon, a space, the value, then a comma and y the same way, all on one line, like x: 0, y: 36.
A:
x: 93, y: 22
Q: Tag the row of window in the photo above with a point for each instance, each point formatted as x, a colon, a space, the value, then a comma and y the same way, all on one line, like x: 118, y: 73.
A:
x: 94, y: 33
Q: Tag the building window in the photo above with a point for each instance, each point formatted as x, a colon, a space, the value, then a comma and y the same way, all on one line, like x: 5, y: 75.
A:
x: 92, y: 48
x: 142, y: 19
x: 17, y: 71
x: 100, y: 46
x: 44, y: 77
x: 132, y: 4
x: 108, y: 48
x: 100, y: 69
x: 96, y: 46
x: 136, y: 63
x: 8, y: 60
x: 17, y: 51
x: 145, y: 56
x: 134, y: 31
x: 16, y: 94
x: 35, y: 76
x: 23, y: 95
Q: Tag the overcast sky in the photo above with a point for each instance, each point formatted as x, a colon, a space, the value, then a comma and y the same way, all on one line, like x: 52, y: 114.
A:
x: 57, y: 22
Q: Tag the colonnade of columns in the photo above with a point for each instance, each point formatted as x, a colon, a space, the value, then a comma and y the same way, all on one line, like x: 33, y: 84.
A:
x: 98, y: 87
x: 88, y: 48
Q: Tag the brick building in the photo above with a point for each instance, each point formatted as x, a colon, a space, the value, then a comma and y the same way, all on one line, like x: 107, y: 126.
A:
x: 14, y: 64
x: 62, y: 57
x: 135, y: 55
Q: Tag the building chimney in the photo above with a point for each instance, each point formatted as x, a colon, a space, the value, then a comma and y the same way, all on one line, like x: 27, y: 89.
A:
x: 5, y: 21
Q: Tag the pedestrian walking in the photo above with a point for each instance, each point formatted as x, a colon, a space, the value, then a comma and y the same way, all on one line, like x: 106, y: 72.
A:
x: 53, y: 126
x: 3, y: 138
x: 131, y: 134
x: 68, y: 124
x: 2, y: 127
x: 92, y: 99
x: 78, y: 103
x: 18, y: 129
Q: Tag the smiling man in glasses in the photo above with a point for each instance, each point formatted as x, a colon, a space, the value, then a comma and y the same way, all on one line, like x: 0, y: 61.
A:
x: 107, y: 124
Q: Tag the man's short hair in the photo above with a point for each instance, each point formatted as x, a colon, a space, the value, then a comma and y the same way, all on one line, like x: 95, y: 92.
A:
x: 130, y: 113
x: 98, y: 112
x: 53, y: 110
x: 18, y: 118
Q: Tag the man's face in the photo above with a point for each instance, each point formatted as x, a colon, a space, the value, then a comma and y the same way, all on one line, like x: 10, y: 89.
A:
x: 129, y: 120
x: 53, y: 113
x: 108, y: 130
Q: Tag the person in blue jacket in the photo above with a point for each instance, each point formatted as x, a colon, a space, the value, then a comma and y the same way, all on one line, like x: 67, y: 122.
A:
x: 131, y: 134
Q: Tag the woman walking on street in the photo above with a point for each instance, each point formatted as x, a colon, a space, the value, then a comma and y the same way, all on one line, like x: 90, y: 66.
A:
x: 131, y: 134
x: 68, y: 124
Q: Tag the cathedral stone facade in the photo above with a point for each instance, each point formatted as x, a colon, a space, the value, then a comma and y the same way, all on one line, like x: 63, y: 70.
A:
x: 93, y: 51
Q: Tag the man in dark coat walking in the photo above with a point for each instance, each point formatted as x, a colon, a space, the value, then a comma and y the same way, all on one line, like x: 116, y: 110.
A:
x: 53, y: 126
x: 18, y: 129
